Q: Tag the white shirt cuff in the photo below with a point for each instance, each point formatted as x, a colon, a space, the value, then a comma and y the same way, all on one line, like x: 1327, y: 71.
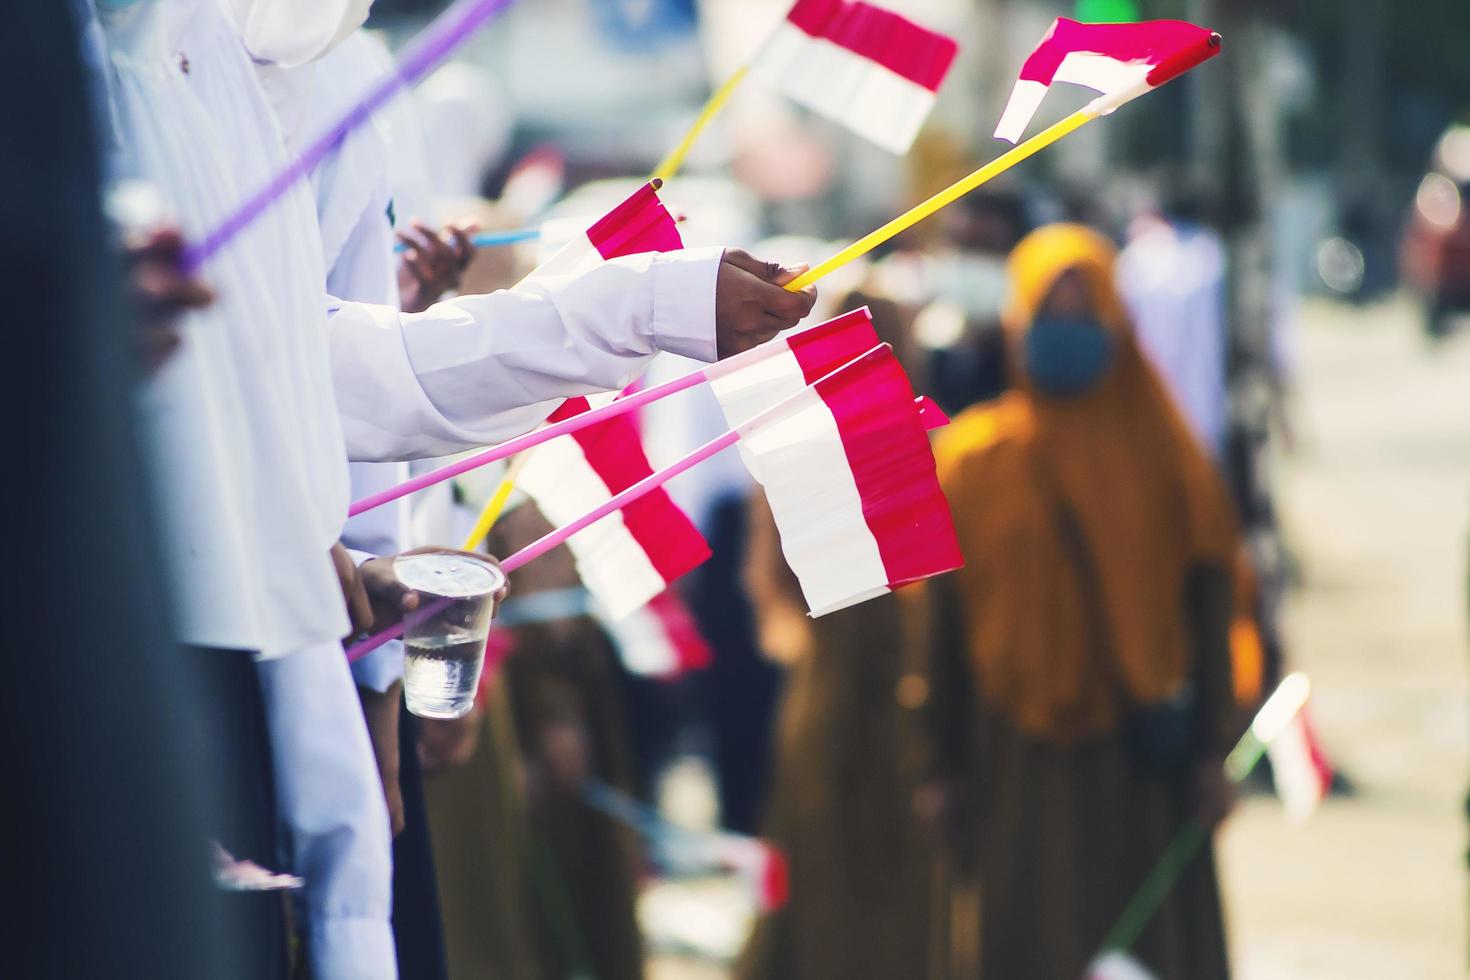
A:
x: 684, y: 302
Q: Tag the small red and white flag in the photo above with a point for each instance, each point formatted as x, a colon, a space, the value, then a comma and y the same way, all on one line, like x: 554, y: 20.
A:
x: 1299, y: 768
x: 1118, y: 61
x: 661, y: 639
x: 639, y: 224
x: 870, y: 69
x: 760, y: 866
x: 633, y: 555
x: 848, y: 472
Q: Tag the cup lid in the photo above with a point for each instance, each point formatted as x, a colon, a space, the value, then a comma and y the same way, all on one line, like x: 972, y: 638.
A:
x: 450, y: 575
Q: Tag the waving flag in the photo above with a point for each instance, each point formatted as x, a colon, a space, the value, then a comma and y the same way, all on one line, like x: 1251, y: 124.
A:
x: 1118, y: 61
x: 849, y: 475
x: 639, y: 224
x: 815, y: 351
x: 633, y: 555
x: 870, y: 69
x: 1299, y: 768
x: 661, y: 639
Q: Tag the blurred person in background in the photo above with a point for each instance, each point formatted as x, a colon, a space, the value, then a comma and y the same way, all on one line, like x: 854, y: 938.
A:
x: 960, y: 327
x: 1172, y: 278
x: 1082, y: 693
x: 1171, y: 275
x: 845, y: 767
x: 535, y: 884
x: 846, y: 772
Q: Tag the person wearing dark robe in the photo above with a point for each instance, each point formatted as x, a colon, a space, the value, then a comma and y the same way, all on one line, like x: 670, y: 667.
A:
x: 1082, y: 693
x: 534, y: 884
x: 846, y: 775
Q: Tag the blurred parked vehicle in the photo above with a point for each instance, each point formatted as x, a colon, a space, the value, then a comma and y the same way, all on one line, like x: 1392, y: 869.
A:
x: 1436, y: 248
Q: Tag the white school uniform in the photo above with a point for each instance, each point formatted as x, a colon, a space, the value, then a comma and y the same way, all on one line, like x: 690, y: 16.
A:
x: 194, y: 418
x: 250, y: 547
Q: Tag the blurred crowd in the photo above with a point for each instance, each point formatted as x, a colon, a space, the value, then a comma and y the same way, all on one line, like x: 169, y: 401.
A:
x: 969, y: 777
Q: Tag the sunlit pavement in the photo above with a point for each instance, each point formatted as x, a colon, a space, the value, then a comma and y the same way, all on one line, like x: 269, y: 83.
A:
x: 1375, y: 500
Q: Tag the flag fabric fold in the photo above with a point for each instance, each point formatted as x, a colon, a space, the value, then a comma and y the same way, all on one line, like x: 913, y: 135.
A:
x: 633, y: 555
x: 848, y: 472
x: 870, y: 69
x: 1118, y: 61
x: 639, y: 224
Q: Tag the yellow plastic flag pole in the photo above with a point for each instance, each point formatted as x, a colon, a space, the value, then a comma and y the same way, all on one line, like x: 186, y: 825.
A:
x: 948, y: 196
x: 495, y: 506
x: 1103, y: 105
x: 666, y: 169
x: 670, y: 164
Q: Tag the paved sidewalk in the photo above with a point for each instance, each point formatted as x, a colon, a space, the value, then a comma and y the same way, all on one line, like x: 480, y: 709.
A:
x: 1376, y: 501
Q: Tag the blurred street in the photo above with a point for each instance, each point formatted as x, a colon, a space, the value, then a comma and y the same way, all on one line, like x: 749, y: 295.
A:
x: 1375, y: 503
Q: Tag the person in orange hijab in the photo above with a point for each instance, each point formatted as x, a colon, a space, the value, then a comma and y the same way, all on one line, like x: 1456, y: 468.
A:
x: 1081, y: 696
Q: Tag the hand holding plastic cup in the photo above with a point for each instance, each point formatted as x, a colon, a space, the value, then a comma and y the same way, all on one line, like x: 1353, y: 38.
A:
x: 444, y: 638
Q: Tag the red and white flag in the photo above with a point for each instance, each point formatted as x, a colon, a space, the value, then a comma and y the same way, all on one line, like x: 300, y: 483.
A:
x: 761, y: 867
x: 1298, y: 766
x: 640, y: 224
x: 1118, y: 61
x: 634, y: 554
x: 848, y: 472
x: 661, y: 639
x: 870, y: 69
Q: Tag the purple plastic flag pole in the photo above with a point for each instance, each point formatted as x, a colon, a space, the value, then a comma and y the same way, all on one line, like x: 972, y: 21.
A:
x: 447, y: 31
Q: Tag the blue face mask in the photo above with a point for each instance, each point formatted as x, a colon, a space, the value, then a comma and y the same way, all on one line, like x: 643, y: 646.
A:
x: 1067, y: 357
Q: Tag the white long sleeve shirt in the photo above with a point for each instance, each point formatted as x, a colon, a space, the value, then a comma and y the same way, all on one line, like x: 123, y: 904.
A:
x: 476, y: 370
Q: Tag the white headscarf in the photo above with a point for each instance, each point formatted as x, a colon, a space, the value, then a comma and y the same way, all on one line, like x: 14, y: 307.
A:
x: 290, y: 33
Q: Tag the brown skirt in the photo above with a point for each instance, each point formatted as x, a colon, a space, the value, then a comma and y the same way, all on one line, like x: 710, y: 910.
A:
x: 1065, y: 836
x: 842, y: 810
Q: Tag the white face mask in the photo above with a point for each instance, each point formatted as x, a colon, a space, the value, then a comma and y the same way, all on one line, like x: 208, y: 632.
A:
x: 289, y: 33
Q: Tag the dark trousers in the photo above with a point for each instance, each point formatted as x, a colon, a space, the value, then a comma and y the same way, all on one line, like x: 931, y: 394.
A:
x: 418, y: 928
x: 238, y: 752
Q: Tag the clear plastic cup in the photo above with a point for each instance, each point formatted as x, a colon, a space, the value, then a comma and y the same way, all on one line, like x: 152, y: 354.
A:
x: 444, y: 638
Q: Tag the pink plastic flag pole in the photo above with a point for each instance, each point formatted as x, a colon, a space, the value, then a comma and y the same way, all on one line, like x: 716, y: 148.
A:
x: 612, y: 409
x: 436, y: 42
x: 775, y: 413
x: 362, y: 648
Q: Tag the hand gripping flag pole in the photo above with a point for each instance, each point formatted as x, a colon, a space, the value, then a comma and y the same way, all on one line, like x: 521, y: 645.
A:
x: 1122, y: 61
x: 640, y: 224
x: 1276, y: 717
x: 869, y: 69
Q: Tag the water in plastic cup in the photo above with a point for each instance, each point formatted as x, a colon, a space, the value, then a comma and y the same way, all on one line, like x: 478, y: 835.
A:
x: 444, y: 638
